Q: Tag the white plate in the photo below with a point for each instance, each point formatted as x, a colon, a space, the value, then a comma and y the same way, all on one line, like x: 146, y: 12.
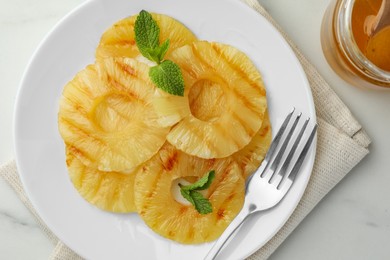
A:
x: 95, y: 234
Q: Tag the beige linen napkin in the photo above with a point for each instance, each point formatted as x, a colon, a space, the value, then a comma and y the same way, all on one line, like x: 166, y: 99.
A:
x: 341, y: 144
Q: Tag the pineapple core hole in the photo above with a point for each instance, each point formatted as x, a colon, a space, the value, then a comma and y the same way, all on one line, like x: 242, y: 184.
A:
x: 113, y: 112
x: 207, y: 100
x: 175, y: 189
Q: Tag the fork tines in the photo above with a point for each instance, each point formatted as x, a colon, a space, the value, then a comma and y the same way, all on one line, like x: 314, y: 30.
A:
x: 286, y: 146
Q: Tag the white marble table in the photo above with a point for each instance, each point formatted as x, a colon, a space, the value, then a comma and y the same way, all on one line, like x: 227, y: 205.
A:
x: 352, y: 222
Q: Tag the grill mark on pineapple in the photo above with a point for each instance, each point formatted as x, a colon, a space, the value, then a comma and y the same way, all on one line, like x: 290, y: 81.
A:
x: 71, y: 106
x: 134, y: 72
x: 220, y: 177
x: 226, y: 132
x: 249, y: 131
x: 171, y: 161
x: 220, y: 214
x: 183, y: 210
x: 76, y: 130
x: 81, y: 110
x: 252, y: 107
x: 223, y: 213
x: 201, y: 135
x: 241, y: 97
x: 88, y: 135
x: 80, y: 131
x: 264, y: 131
x: 152, y: 188
x: 68, y: 106
x: 243, y: 75
x: 121, y: 43
x: 69, y: 157
x: 210, y: 163
x: 131, y: 95
x: 122, y: 89
x: 127, y: 69
x: 196, y: 54
x: 79, y: 153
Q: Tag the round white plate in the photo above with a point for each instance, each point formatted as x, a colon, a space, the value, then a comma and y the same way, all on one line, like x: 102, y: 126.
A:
x: 95, y: 234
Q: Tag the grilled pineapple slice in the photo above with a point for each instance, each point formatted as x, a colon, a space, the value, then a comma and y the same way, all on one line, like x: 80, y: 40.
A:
x: 119, y: 39
x: 250, y: 157
x: 110, y: 191
x: 109, y: 120
x: 165, y: 215
x: 226, y: 98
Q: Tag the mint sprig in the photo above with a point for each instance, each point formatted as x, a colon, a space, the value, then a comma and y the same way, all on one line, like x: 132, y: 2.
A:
x: 166, y: 75
x: 192, y: 194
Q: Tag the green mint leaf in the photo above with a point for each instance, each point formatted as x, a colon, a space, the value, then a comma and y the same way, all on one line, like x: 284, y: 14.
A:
x: 157, y: 54
x: 168, y: 77
x: 187, y: 196
x: 202, y: 205
x: 162, y: 49
x: 151, y: 54
x: 190, y: 193
x: 203, y: 183
x: 146, y: 33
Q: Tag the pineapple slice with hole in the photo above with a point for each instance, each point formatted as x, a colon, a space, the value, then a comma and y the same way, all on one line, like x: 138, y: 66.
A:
x: 167, y: 215
x: 110, y: 120
x: 250, y: 157
x: 119, y: 39
x: 226, y: 98
x: 109, y: 191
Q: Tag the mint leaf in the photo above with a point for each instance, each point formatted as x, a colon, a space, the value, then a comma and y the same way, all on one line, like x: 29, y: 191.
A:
x: 168, y: 77
x: 190, y: 193
x: 151, y: 54
x: 203, y: 183
x: 162, y: 49
x: 158, y: 53
x: 186, y: 194
x: 202, y: 205
x: 146, y: 33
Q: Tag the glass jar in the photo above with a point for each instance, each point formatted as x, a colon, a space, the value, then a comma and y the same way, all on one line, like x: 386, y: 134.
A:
x: 343, y: 54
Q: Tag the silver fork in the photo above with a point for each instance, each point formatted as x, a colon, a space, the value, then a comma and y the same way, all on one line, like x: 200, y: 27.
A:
x: 267, y: 187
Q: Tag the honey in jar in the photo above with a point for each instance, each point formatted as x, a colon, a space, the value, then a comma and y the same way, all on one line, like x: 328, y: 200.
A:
x: 360, y: 59
x: 377, y: 46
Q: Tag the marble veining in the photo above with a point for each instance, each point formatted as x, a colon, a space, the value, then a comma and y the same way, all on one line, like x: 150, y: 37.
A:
x: 7, y: 217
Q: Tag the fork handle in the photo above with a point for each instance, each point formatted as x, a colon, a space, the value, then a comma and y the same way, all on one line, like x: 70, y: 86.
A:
x: 234, y: 225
